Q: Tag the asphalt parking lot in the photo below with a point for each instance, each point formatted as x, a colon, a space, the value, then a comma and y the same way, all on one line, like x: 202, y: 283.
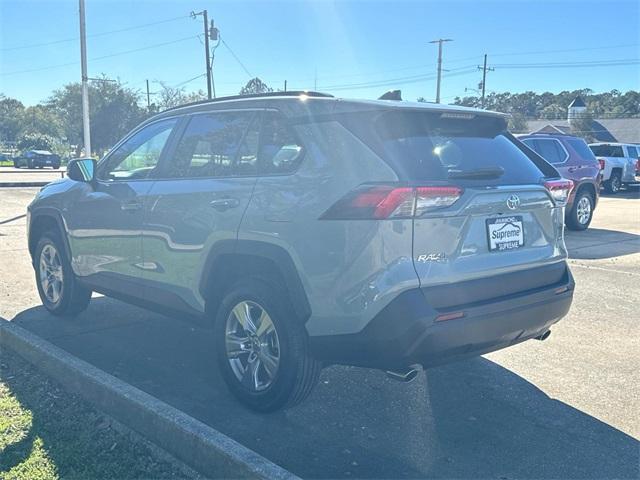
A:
x: 11, y: 175
x: 564, y: 408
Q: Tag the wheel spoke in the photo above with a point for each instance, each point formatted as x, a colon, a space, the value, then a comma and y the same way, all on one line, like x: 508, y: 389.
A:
x: 242, y: 312
x: 265, y: 325
x: 235, y: 345
x: 250, y: 375
x: 270, y: 364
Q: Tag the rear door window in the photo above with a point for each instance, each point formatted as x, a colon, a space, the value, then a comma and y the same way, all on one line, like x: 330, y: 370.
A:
x: 551, y: 150
x: 581, y: 148
x: 426, y: 146
x: 280, y: 150
x: 219, y: 144
x: 607, y: 150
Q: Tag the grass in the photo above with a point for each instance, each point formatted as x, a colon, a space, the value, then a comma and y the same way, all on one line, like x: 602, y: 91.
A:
x: 6, y: 163
x: 48, y: 433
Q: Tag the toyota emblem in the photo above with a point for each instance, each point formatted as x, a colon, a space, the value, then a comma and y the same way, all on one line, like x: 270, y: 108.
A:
x: 513, y: 202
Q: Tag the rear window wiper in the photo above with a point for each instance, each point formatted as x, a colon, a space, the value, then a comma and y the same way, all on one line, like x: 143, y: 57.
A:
x: 480, y: 173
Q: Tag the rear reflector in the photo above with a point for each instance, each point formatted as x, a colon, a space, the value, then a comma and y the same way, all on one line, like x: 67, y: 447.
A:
x: 449, y: 316
x: 559, y: 190
x: 391, y: 201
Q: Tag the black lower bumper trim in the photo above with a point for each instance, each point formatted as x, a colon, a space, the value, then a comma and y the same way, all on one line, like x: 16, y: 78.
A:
x: 406, y: 331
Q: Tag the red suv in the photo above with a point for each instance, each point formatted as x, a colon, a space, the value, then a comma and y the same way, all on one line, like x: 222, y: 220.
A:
x: 574, y: 160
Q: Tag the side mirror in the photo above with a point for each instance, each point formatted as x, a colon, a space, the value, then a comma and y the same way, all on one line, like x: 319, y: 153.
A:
x: 82, y: 170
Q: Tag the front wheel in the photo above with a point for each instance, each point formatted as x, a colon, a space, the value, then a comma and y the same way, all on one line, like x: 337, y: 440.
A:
x: 58, y: 288
x: 581, y: 213
x: 262, y: 347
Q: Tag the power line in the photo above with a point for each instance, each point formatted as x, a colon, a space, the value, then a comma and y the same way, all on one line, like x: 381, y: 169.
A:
x: 237, y: 59
x: 100, y: 34
x: 594, y: 63
x: 125, y: 52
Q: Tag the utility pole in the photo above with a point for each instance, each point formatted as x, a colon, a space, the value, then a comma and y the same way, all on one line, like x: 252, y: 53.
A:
x: 205, y: 18
x: 484, y: 76
x: 440, y: 41
x: 285, y: 85
x: 148, y: 96
x: 86, y: 128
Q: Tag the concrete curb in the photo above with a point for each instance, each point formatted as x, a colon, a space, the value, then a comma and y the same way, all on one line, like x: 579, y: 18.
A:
x: 203, y: 448
x: 24, y: 184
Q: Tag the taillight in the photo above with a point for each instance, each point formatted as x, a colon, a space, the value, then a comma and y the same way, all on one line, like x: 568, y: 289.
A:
x: 638, y: 165
x: 601, y: 162
x: 390, y: 201
x: 559, y: 190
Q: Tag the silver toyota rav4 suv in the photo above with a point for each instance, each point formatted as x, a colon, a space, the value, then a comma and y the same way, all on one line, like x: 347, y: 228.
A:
x: 309, y: 230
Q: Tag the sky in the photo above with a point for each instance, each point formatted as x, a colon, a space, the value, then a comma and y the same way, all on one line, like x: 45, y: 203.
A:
x: 354, y: 49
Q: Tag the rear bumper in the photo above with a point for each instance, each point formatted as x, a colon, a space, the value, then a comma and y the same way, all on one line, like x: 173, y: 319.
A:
x: 407, y: 331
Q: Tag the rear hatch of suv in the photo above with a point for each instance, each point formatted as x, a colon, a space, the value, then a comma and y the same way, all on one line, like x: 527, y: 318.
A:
x: 487, y: 217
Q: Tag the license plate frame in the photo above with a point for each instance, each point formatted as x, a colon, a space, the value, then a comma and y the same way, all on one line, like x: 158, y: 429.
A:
x: 513, y: 239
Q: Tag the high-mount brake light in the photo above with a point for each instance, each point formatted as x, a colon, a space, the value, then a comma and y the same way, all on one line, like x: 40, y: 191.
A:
x: 559, y: 190
x: 391, y: 201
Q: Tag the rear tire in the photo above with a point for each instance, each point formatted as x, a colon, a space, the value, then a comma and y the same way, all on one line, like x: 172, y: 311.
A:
x: 267, y: 366
x: 614, y: 184
x: 581, y: 214
x: 58, y: 287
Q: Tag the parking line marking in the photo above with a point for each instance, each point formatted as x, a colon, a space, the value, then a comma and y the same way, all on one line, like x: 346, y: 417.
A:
x: 604, y: 269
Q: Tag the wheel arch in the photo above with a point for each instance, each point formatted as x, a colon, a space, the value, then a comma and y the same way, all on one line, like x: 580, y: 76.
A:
x: 42, y: 221
x: 231, y: 260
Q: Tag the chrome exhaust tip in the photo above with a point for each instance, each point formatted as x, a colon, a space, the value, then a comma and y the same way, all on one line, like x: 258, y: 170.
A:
x: 406, y: 375
x: 544, y: 336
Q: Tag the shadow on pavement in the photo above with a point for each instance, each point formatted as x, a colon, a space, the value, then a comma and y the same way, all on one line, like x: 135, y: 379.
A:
x: 597, y: 243
x: 470, y: 419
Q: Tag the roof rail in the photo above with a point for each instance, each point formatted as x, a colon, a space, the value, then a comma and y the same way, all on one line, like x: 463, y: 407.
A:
x: 292, y: 93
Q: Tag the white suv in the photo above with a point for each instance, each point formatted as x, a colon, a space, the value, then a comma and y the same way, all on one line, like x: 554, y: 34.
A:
x: 618, y: 163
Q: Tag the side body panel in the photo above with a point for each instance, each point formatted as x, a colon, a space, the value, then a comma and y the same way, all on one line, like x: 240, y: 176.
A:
x: 349, y: 269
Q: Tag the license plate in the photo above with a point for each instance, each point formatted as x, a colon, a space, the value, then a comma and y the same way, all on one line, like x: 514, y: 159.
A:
x: 505, y: 233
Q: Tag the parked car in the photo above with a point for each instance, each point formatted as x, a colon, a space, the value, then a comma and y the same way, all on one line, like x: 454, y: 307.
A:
x: 310, y: 230
x: 37, y: 159
x: 619, y: 162
x: 572, y: 158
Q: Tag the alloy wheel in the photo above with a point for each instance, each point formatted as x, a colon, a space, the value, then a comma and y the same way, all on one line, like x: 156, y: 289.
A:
x: 51, y: 278
x: 584, y: 210
x: 252, y: 346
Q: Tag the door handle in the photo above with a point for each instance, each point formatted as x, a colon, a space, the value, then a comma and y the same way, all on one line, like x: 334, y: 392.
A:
x: 572, y: 169
x: 223, y: 204
x: 131, y: 206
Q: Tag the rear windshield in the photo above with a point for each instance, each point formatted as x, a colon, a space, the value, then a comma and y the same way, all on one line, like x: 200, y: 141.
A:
x: 424, y: 146
x: 581, y: 148
x: 607, y: 150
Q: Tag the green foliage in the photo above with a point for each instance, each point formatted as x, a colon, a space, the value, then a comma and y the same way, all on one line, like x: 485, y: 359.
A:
x: 517, y: 123
x: 113, y: 110
x: 582, y: 126
x: 554, y: 105
x: 36, y: 141
x: 11, y: 111
x: 255, y: 85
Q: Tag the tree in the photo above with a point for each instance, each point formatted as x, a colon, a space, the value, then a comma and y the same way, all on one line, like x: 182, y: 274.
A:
x: 582, y: 126
x: 35, y: 141
x: 517, y: 123
x: 114, y: 111
x: 255, y: 85
x: 40, y: 119
x: 169, y: 97
x: 10, y: 118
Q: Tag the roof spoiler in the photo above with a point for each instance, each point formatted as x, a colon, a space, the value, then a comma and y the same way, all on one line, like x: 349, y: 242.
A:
x: 392, y: 95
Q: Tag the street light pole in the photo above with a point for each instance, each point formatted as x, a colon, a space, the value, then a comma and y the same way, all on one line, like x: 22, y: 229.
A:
x: 440, y: 41
x: 86, y: 128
